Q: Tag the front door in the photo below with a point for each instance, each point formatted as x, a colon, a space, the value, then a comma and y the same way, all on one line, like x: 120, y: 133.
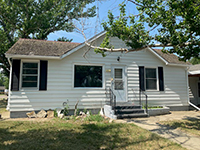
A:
x: 119, y: 88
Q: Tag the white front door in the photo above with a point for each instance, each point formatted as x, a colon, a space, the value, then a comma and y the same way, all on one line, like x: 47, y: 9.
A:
x: 119, y: 83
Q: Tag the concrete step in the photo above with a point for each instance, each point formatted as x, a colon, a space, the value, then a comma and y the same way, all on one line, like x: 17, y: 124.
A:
x: 129, y: 111
x: 127, y: 107
x: 136, y: 115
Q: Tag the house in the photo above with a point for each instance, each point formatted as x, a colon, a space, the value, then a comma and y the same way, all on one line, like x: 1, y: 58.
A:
x: 45, y: 74
x: 194, y: 84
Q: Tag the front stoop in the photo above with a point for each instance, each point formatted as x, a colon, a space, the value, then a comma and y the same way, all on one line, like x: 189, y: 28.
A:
x: 129, y: 111
x: 123, y: 111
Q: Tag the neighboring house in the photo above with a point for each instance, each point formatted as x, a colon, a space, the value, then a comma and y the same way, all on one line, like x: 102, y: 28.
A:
x: 194, y: 84
x: 47, y: 73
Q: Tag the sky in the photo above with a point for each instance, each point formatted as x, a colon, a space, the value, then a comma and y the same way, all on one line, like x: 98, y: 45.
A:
x: 93, y: 24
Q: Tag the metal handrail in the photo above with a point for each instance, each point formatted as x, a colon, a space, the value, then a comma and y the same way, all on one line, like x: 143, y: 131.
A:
x: 140, y: 98
x: 146, y: 106
x: 112, y: 99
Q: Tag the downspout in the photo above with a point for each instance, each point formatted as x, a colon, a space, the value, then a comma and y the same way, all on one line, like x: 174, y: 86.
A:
x: 9, y: 91
x: 186, y: 74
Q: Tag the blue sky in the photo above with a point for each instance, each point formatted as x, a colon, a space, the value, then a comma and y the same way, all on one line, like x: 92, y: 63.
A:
x: 104, y: 6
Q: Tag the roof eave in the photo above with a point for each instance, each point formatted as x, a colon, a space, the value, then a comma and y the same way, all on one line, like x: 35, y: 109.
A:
x: 194, y: 72
x: 82, y: 45
x: 161, y: 58
x: 181, y: 65
x: 17, y: 56
x: 166, y: 62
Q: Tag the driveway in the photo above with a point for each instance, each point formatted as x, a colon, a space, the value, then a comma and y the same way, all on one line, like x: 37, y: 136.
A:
x: 3, y: 96
x: 4, y: 114
x: 152, y: 124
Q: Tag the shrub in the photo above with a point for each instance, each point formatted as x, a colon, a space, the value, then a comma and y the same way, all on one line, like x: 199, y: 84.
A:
x: 66, y: 110
x: 55, y: 113
x: 97, y: 118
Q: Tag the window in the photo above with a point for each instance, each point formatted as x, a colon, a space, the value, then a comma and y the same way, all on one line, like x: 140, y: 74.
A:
x: 29, y: 74
x: 151, y: 79
x: 87, y: 76
x: 118, y: 79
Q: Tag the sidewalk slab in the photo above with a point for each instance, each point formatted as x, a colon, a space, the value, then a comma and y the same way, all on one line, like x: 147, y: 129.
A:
x: 189, y: 141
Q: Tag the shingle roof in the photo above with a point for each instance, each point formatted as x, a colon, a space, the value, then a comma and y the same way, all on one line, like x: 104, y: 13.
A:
x: 41, y: 47
x: 33, y: 47
x: 195, y: 67
x: 170, y: 58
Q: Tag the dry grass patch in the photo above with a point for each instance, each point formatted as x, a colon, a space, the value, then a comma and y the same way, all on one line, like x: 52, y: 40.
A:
x: 78, y: 134
x: 190, y: 125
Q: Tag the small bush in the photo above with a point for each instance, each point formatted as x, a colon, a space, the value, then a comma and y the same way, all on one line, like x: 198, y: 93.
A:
x: 77, y: 112
x: 85, y: 111
x: 66, y: 110
x: 55, y: 113
x: 97, y: 118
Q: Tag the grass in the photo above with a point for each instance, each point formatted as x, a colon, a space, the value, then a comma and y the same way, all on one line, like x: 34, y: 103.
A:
x: 3, y: 103
x: 152, y: 107
x: 190, y: 125
x: 78, y: 134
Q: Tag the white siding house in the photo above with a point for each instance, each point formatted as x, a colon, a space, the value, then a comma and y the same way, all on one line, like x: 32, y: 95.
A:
x: 47, y: 73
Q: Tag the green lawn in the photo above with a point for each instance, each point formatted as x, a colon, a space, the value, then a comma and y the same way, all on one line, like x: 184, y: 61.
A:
x: 3, y: 103
x: 190, y: 125
x: 56, y: 134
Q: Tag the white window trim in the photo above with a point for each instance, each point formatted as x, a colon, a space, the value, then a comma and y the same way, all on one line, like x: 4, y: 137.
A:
x: 83, y: 64
x: 21, y: 69
x: 157, y: 82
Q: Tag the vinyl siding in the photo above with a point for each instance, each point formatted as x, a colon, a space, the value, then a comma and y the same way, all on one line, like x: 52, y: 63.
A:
x: 60, y: 82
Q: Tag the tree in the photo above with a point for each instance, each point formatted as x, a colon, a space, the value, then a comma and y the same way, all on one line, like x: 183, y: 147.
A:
x: 4, y: 81
x: 37, y: 19
x: 194, y: 61
x: 177, y: 25
x: 64, y: 39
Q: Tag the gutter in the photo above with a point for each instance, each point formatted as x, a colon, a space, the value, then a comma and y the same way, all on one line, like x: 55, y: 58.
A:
x: 187, y: 84
x: 180, y: 65
x: 31, y: 56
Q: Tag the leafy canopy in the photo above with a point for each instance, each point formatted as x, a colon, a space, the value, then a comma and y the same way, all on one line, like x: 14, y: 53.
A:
x: 177, y: 23
x: 37, y: 19
x: 4, y: 81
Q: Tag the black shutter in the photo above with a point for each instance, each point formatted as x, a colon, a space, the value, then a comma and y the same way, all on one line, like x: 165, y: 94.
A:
x: 43, y: 75
x: 141, y: 78
x: 15, y: 75
x: 161, y: 78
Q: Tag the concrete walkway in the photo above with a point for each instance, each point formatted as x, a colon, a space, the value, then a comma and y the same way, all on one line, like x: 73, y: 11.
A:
x: 152, y: 124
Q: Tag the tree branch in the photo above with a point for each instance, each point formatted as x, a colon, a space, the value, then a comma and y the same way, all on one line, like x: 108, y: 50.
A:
x: 135, y: 3
x: 5, y: 29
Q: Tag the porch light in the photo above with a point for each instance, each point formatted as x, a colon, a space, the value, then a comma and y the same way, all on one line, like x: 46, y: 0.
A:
x: 118, y: 58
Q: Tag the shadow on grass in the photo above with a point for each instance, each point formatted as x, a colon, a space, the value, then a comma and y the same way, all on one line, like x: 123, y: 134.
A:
x: 69, y: 136
x: 186, y: 123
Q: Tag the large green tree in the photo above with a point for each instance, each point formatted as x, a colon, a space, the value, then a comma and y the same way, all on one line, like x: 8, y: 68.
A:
x: 4, y: 81
x: 177, y: 24
x: 37, y: 19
